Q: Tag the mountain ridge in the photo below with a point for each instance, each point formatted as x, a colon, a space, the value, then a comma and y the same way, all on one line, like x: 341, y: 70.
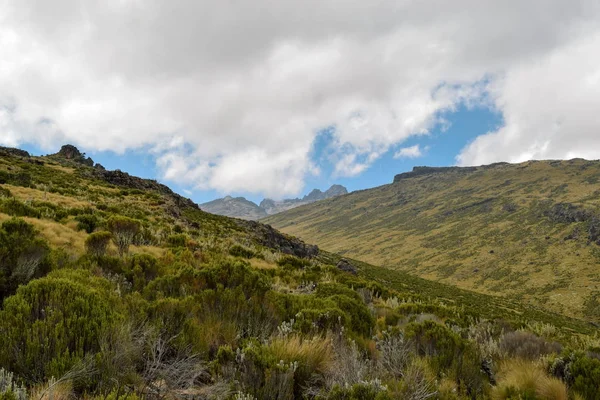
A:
x: 240, y: 207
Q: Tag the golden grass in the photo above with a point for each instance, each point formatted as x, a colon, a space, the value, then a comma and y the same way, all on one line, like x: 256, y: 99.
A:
x: 520, y: 377
x: 316, y: 353
x: 24, y: 194
x: 262, y: 264
x: 51, y: 391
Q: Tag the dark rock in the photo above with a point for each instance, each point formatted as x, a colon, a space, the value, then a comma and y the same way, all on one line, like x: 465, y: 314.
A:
x: 100, y: 167
x: 492, y: 251
x: 70, y: 152
x: 270, y: 237
x: 9, y: 151
x: 346, y: 266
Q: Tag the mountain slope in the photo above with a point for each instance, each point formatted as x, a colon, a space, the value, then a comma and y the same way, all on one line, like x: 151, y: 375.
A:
x: 527, y: 231
x: 113, y: 286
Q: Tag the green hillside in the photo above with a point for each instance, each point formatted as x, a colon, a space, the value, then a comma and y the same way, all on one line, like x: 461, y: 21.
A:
x: 528, y: 231
x: 115, y: 287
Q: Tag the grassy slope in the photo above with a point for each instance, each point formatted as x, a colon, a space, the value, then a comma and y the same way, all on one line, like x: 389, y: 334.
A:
x: 70, y: 186
x: 455, y: 227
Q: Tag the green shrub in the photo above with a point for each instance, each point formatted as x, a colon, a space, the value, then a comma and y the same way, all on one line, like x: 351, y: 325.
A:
x: 124, y: 230
x: 436, y: 341
x: 240, y: 251
x: 178, y: 240
x: 23, y: 255
x: 292, y: 262
x: 53, y: 322
x: 87, y: 222
x: 4, y: 192
x: 17, y: 208
x: 96, y: 243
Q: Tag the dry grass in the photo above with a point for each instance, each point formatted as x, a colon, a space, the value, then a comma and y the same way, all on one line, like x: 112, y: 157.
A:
x: 262, y: 264
x: 52, y: 391
x: 24, y: 194
x: 524, y: 377
x: 316, y: 354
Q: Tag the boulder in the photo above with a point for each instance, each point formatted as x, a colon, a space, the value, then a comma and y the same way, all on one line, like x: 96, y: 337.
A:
x: 346, y: 266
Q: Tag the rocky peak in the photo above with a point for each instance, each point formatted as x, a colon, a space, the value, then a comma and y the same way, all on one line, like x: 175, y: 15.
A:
x: 70, y: 152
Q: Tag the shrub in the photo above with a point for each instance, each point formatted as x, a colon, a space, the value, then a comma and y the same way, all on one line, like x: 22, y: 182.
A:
x: 23, y: 255
x: 17, y: 208
x: 53, y: 322
x: 96, y: 243
x: 123, y: 230
x: 292, y: 262
x: 4, y: 192
x: 240, y: 251
x: 436, y: 341
x: 526, y: 345
x: 178, y: 240
x: 87, y: 222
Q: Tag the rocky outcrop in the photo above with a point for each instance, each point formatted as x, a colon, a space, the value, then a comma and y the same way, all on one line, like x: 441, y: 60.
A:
x: 346, y: 266
x: 123, y: 179
x: 9, y: 151
x: 70, y: 152
x: 272, y: 238
x: 237, y: 207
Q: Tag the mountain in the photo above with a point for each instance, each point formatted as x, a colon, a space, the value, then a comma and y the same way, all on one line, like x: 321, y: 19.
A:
x: 113, y: 286
x: 239, y: 207
x: 274, y: 207
x: 528, y: 231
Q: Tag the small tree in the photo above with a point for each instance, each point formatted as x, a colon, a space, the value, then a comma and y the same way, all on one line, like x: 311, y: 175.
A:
x: 97, y: 243
x: 123, y: 231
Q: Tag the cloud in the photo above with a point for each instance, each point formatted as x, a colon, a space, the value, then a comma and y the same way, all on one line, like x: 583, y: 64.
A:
x: 550, y: 107
x: 231, y: 95
x: 409, y: 152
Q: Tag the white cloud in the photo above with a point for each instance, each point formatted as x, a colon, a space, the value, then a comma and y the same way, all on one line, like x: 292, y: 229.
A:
x: 409, y: 152
x: 231, y: 95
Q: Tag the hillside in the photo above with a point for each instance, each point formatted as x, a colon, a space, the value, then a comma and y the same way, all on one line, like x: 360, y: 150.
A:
x: 240, y: 207
x: 115, y: 287
x: 528, y: 231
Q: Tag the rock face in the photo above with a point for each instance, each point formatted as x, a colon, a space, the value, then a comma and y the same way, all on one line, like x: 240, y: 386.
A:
x: 270, y: 237
x: 9, y: 151
x: 70, y: 152
x: 239, y: 207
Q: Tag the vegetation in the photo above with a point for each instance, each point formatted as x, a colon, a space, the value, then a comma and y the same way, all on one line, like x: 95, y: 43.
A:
x: 528, y: 232
x: 115, y: 291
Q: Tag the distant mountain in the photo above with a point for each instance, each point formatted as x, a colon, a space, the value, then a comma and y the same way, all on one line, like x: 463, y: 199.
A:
x: 239, y: 207
x: 273, y: 207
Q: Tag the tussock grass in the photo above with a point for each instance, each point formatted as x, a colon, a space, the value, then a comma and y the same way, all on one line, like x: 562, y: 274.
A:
x: 315, y: 354
x: 526, y: 378
x: 24, y: 194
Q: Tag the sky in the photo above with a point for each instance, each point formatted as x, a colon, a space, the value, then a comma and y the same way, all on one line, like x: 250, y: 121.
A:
x: 267, y: 98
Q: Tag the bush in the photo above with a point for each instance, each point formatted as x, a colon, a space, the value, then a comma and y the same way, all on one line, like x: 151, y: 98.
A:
x: 96, y: 243
x: 178, y: 240
x: 23, y: 255
x: 526, y: 345
x: 124, y: 230
x: 87, y: 222
x: 17, y: 208
x: 292, y: 262
x: 436, y: 341
x: 240, y: 251
x: 53, y: 322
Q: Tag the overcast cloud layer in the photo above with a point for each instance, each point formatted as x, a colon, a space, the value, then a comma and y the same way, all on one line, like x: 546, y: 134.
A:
x: 230, y: 95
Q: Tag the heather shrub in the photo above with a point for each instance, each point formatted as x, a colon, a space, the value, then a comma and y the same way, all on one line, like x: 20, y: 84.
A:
x: 97, y: 243
x: 526, y: 345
